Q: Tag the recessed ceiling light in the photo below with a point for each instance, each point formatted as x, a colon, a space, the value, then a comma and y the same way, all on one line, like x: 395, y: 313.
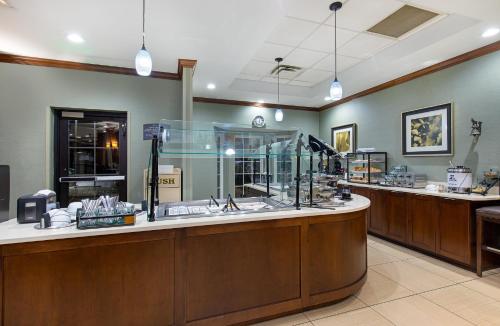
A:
x: 211, y: 86
x: 74, y: 37
x: 490, y: 32
x: 328, y: 98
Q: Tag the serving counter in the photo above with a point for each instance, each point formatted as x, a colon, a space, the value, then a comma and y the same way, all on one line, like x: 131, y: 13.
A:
x: 440, y: 224
x: 201, y: 271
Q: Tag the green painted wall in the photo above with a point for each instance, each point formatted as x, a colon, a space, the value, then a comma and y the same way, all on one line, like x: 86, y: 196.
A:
x: 27, y: 93
x: 474, y: 89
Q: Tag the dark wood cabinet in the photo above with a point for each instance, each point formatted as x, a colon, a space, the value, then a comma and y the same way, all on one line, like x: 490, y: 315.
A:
x: 378, y: 218
x: 395, y: 211
x: 365, y: 192
x: 422, y: 221
x: 454, y: 230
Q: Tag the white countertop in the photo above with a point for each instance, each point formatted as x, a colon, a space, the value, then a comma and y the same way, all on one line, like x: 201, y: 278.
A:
x: 13, y: 232
x: 471, y: 197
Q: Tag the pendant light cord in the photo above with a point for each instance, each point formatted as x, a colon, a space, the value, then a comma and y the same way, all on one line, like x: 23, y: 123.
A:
x: 143, y: 20
x: 278, y: 82
x: 335, y: 44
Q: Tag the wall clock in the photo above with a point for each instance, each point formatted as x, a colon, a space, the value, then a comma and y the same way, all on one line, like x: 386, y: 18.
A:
x: 259, y: 122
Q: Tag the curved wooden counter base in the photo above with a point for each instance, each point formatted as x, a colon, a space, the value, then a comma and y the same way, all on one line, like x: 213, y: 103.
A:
x: 207, y: 275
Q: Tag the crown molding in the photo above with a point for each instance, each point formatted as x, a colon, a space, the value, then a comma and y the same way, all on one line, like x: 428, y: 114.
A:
x: 190, y: 63
x: 256, y: 104
x: 33, y: 61
x: 185, y: 63
x: 493, y: 47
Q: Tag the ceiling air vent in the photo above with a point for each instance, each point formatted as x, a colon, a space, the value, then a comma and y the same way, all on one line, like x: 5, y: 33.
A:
x: 284, y: 68
x: 402, y: 21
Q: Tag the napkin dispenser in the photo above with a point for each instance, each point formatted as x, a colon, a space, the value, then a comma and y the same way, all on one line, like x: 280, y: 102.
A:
x: 30, y: 208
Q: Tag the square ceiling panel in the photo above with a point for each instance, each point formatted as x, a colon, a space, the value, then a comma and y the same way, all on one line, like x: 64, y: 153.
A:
x: 304, y: 58
x: 343, y: 63
x: 313, y: 10
x: 258, y: 68
x: 360, y: 15
x: 249, y: 77
x: 365, y: 46
x: 323, y: 39
x: 273, y: 80
x: 269, y: 51
x: 314, y: 76
x: 291, y: 31
x: 301, y: 83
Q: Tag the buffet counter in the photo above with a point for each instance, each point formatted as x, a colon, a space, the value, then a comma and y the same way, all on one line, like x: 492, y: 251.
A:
x: 470, y: 197
x: 439, y: 224
x: 198, y: 271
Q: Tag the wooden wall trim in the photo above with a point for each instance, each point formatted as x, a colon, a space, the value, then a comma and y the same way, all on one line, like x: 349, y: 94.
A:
x: 33, y: 61
x: 185, y: 63
x: 256, y: 104
x: 17, y: 59
x: 419, y: 73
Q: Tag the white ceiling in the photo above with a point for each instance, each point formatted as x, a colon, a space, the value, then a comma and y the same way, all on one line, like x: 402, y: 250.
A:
x: 236, y: 41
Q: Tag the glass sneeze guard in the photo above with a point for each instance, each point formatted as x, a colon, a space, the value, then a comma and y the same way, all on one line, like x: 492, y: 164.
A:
x: 182, y: 139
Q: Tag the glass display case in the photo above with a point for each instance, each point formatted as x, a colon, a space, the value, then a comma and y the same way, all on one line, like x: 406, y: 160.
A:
x: 228, y: 164
x: 366, y: 167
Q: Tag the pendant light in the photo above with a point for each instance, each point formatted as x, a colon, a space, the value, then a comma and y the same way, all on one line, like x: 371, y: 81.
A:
x: 335, y: 87
x: 143, y: 62
x: 278, y: 114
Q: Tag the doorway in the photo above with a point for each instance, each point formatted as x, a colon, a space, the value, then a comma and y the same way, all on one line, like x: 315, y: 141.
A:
x: 90, y: 154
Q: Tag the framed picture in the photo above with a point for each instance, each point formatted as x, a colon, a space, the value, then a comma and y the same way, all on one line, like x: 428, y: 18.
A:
x: 344, y: 138
x: 428, y: 131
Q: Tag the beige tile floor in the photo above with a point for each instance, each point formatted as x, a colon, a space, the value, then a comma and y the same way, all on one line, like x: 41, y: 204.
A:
x: 405, y: 287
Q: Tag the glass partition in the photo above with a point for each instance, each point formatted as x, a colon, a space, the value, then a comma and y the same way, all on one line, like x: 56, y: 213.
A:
x: 218, y: 159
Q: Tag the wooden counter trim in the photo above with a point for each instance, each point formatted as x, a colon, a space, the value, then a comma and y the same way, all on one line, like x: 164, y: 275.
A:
x: 84, y: 242
x: 242, y: 226
x: 250, y: 315
x: 327, y: 297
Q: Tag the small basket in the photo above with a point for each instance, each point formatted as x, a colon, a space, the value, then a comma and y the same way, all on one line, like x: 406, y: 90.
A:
x: 102, y: 218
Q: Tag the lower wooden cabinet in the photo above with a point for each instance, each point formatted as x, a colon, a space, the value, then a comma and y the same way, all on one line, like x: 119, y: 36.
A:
x: 454, y: 230
x: 395, y: 210
x: 365, y: 192
x: 422, y: 221
x: 438, y: 225
x: 378, y: 218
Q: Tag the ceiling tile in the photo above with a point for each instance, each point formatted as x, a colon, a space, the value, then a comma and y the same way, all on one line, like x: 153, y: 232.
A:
x: 317, y: 10
x: 322, y: 39
x: 270, y: 51
x: 291, y: 31
x: 258, y: 68
x: 314, y: 76
x: 365, y: 46
x: 343, y: 63
x: 360, y: 15
x: 275, y: 80
x: 303, y: 58
x: 248, y: 77
x: 301, y: 83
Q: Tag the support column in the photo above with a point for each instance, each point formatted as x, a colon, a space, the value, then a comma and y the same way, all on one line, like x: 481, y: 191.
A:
x: 186, y: 71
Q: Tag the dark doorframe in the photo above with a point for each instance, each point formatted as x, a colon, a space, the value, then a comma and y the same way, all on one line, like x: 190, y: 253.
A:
x: 64, y: 177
